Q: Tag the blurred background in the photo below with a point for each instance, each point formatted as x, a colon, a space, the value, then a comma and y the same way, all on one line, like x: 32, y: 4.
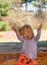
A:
x: 21, y: 12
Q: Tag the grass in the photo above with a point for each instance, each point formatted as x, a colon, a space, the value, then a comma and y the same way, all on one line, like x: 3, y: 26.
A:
x: 44, y: 27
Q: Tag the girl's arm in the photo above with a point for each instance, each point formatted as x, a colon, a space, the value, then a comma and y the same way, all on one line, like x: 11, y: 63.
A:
x: 23, y: 48
x: 37, y: 37
x: 14, y: 27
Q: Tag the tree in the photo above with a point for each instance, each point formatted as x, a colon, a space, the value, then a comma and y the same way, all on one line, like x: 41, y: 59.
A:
x: 5, y: 5
x: 40, y: 12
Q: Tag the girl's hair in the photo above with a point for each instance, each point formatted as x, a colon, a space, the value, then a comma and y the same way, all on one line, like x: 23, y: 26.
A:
x: 22, y: 28
x: 25, y: 26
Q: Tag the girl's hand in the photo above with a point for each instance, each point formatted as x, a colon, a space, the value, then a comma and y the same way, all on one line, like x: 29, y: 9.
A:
x: 40, y: 26
x: 14, y: 27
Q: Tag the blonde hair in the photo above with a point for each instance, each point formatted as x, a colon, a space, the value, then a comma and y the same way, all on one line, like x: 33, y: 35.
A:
x: 22, y: 29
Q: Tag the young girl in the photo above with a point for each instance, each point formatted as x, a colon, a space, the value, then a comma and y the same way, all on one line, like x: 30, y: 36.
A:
x: 29, y: 47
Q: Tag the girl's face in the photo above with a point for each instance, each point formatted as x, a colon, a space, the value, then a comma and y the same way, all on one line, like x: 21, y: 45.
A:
x: 27, y: 33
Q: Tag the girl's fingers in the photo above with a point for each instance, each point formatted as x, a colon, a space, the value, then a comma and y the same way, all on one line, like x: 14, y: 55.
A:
x: 40, y: 26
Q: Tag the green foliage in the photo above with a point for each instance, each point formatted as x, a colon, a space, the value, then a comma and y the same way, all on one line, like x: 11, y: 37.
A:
x: 35, y: 4
x: 4, y: 26
x: 5, y: 5
x: 45, y: 27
